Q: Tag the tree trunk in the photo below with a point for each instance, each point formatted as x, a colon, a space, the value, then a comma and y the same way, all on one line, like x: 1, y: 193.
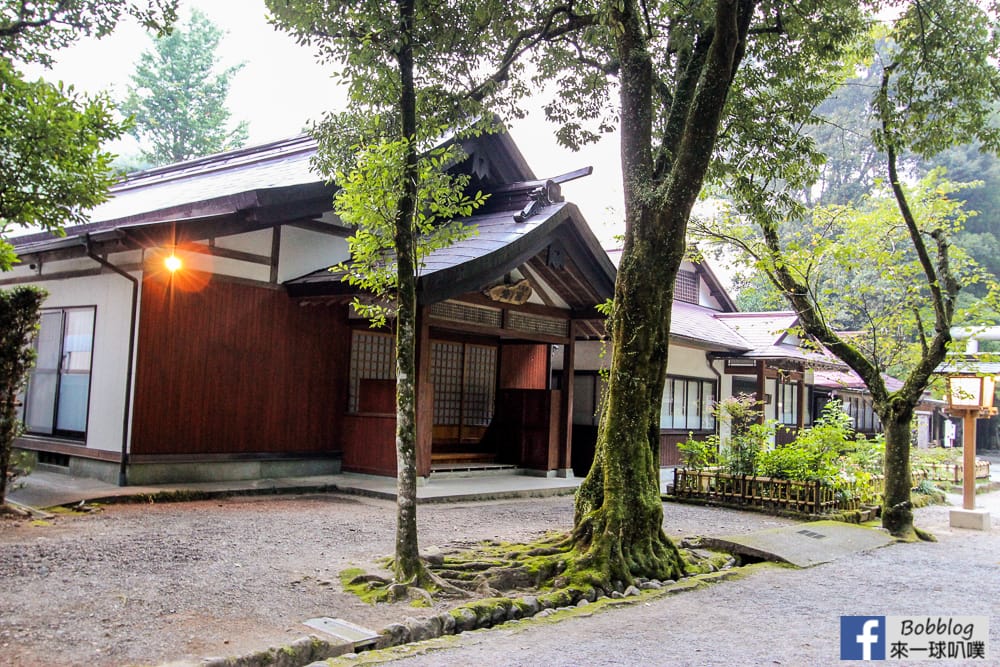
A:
x: 407, y: 567
x: 897, y: 510
x: 619, y: 515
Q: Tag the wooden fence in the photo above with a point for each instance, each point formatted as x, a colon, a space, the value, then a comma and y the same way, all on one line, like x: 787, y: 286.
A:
x: 948, y: 472
x: 770, y: 493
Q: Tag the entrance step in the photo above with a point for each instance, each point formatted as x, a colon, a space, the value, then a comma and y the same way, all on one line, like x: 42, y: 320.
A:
x: 457, y: 469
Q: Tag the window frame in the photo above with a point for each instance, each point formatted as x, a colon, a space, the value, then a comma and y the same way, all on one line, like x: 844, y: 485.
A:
x: 705, y: 420
x: 59, y: 372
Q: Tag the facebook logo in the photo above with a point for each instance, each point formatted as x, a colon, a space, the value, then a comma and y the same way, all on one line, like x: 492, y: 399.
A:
x: 862, y: 637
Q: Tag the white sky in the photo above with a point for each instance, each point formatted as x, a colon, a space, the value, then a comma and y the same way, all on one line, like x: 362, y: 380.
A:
x: 281, y: 87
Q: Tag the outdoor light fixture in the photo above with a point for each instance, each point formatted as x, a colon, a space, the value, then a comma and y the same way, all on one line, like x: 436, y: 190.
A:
x: 970, y: 396
x: 173, y: 263
x: 971, y: 392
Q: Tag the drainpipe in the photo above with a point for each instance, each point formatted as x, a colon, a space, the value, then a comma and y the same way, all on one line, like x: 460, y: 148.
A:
x: 123, y: 466
x: 710, y: 362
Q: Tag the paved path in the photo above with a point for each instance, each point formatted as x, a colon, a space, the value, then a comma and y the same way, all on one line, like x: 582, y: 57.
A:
x: 774, y: 616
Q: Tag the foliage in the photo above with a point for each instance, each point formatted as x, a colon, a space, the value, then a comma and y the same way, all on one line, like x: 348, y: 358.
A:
x: 739, y: 453
x: 19, y: 313
x: 930, y: 96
x: 52, y: 167
x: 936, y: 455
x: 19, y: 465
x: 177, y: 99
x: 31, y: 31
x: 815, y: 453
x: 699, y: 454
x: 368, y: 200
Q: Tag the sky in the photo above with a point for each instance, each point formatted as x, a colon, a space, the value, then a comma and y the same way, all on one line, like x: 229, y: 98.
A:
x: 281, y: 88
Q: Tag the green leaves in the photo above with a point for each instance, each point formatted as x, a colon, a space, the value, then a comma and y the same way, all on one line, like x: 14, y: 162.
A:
x: 19, y: 312
x: 52, y: 168
x: 177, y: 98
x: 368, y: 200
x: 30, y: 31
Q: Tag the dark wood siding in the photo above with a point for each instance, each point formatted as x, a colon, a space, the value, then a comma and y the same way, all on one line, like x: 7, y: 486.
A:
x: 524, y: 366
x: 237, y: 369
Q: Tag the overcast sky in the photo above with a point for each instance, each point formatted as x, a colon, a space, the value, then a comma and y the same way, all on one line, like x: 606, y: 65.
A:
x: 281, y: 87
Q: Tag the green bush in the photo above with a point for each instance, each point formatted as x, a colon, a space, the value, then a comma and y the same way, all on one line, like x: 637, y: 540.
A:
x: 699, y: 454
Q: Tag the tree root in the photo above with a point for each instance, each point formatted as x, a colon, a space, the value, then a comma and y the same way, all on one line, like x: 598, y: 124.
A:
x: 548, y: 568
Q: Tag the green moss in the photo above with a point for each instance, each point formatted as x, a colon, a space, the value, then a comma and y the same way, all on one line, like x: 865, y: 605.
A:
x: 367, y: 591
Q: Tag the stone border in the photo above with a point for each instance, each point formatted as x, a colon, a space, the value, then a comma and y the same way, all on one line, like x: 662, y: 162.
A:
x: 312, y: 651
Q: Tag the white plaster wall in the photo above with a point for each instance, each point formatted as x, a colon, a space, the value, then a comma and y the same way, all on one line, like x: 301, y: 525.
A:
x: 112, y: 295
x: 257, y: 242
x: 688, y: 362
x: 303, y: 251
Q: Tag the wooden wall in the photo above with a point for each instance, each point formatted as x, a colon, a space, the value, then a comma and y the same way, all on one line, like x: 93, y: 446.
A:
x: 237, y: 369
x: 524, y: 366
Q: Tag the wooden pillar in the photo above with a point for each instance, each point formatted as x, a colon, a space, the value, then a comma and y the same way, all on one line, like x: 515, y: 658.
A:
x: 800, y: 418
x: 425, y: 394
x: 565, y: 464
x: 969, y: 459
x: 762, y: 390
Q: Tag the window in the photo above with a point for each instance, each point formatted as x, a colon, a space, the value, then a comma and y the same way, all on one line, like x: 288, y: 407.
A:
x: 786, y: 408
x: 58, y: 392
x: 464, y: 378
x: 373, y: 357
x: 686, y: 286
x: 687, y: 404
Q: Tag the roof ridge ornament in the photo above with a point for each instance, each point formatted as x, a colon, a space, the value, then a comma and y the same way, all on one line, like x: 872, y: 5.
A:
x: 544, y: 195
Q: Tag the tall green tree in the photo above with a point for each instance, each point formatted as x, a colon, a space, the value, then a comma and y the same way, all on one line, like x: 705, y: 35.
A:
x: 177, y: 96
x: 418, y: 69
x: 931, y: 96
x: 698, y: 86
x: 52, y: 166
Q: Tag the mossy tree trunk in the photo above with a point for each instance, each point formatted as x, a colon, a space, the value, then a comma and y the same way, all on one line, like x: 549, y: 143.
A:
x: 407, y: 567
x: 897, y: 510
x: 618, y: 519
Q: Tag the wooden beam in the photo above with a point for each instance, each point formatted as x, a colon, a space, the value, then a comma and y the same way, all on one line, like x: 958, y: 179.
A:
x: 225, y: 253
x: 566, y: 404
x: 313, y: 225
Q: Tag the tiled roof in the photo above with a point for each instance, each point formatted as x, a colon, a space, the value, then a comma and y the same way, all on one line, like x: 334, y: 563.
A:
x: 700, y: 324
x: 500, y: 245
x: 847, y: 379
x: 277, y: 164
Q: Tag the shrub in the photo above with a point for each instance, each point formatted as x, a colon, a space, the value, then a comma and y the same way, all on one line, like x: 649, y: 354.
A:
x: 738, y: 455
x: 699, y: 454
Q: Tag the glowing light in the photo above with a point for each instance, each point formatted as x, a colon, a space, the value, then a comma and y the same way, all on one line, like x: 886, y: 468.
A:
x: 172, y: 263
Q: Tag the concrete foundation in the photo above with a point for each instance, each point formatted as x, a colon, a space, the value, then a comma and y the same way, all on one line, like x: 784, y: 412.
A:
x: 140, y: 474
x: 977, y: 519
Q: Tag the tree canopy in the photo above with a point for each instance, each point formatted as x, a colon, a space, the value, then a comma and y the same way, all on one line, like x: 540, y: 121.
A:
x: 930, y: 96
x: 52, y: 164
x: 177, y: 96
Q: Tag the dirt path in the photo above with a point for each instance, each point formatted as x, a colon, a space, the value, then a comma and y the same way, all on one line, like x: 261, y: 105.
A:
x: 147, y: 584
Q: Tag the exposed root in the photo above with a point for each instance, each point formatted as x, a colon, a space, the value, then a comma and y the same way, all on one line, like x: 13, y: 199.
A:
x: 924, y: 535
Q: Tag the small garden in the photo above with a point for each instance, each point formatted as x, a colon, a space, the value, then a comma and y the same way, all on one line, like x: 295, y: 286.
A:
x: 827, y: 470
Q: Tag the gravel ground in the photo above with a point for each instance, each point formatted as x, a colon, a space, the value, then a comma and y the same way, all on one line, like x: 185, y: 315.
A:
x: 773, y: 616
x: 149, y: 584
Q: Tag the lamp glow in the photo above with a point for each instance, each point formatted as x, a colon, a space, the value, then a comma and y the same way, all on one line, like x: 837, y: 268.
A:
x: 173, y: 263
